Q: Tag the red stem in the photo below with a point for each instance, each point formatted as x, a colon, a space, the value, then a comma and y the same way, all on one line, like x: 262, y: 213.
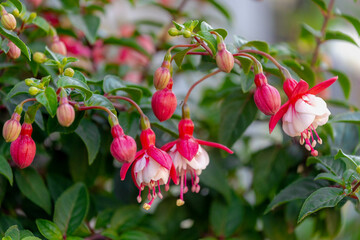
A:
x: 27, y: 100
x: 129, y: 100
x: 204, y: 45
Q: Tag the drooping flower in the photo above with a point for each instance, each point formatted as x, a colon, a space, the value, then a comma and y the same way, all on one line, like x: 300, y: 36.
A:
x: 23, y: 149
x: 12, y: 128
x: 189, y: 157
x: 14, y: 52
x: 303, y: 112
x: 266, y: 97
x: 151, y: 167
x: 123, y: 147
x: 164, y: 102
x: 224, y: 58
x: 65, y: 113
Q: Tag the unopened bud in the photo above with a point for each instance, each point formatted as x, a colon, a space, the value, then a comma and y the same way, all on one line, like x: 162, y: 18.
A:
x: 58, y: 46
x: 33, y: 91
x: 164, y: 103
x: 69, y: 72
x: 186, y: 33
x: 162, y: 76
x: 8, y: 20
x: 32, y: 16
x: 65, y: 113
x: 23, y: 149
x: 39, y: 57
x: 12, y: 128
x: 358, y: 169
x: 266, y: 97
x: 224, y: 58
x: 289, y: 86
x: 14, y: 52
x: 29, y: 82
x: 16, y: 12
x: 123, y: 147
x: 173, y: 32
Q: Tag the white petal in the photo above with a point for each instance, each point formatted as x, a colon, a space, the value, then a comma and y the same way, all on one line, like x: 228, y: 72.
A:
x: 200, y: 161
x: 140, y: 164
x: 150, y: 170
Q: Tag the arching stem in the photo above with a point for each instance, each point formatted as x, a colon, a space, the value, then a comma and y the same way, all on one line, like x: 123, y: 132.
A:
x: 83, y: 108
x: 128, y: 100
x: 27, y: 100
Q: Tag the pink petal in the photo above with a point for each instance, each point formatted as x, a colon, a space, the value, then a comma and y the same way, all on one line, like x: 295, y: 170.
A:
x: 300, y: 88
x: 168, y: 146
x: 321, y: 86
x: 188, y: 148
x: 160, y: 156
x: 215, y: 145
x: 275, y: 118
x: 173, y: 174
x: 125, y: 166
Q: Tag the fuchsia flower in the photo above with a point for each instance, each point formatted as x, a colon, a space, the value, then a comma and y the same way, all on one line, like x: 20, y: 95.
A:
x: 189, y: 157
x: 75, y: 47
x: 123, y: 147
x: 151, y: 167
x: 303, y: 112
x: 164, y: 102
x: 23, y: 149
x: 266, y: 97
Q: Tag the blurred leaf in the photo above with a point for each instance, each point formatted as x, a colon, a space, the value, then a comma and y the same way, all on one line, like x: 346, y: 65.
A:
x: 57, y: 184
x: 41, y: 23
x: 54, y: 126
x: 88, y: 24
x: 221, y: 31
x: 321, y: 4
x: 19, y: 88
x: 5, y: 169
x: 16, y: 40
x: 133, y: 235
x: 351, y: 161
x: 344, y: 81
x: 31, y: 238
x: 48, y: 98
x: 209, y: 39
x: 303, y: 70
x: 300, y: 189
x: 5, y: 47
x: 71, y: 208
x: 247, y: 81
x: 112, y: 84
x: 321, y: 198
x: 33, y: 187
x: 179, y: 57
x: 126, y: 217
x: 49, y: 229
x: 178, y: 26
x: 260, y: 45
x: 68, y: 82
x: 337, y: 35
x: 349, y: 117
x: 337, y: 166
x: 309, y: 30
x: 13, y: 232
x: 354, y: 21
x: 100, y: 100
x: 17, y: 4
x: 238, y: 111
x: 70, y: 4
x: 246, y: 64
x: 127, y: 42
x: 90, y: 135
x: 26, y: 233
x: 221, y: 9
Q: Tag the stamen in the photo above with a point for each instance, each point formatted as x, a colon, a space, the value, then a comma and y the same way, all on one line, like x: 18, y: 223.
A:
x: 302, y: 141
x: 147, y: 206
x: 186, y: 189
x: 313, y: 144
x: 139, y: 199
x: 180, y: 202
x: 193, y: 188
x: 314, y: 153
x: 320, y: 141
x: 197, y: 188
x: 307, y: 146
x: 159, y: 190
x: 182, y: 187
x: 154, y: 192
x: 149, y: 195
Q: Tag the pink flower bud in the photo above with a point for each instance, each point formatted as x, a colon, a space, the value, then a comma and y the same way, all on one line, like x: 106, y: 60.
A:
x: 36, y: 3
x: 266, y: 97
x: 23, y: 149
x: 12, y: 128
x: 162, y: 76
x: 8, y: 20
x: 123, y: 147
x: 65, y: 113
x: 147, y: 43
x: 58, y: 46
x: 164, y: 103
x: 224, y: 58
x: 14, y: 52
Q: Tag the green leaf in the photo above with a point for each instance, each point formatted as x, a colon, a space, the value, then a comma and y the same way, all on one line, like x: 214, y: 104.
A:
x: 133, y: 235
x: 33, y: 187
x: 321, y: 4
x: 330, y: 177
x: 4, y: 45
x: 307, y: 30
x: 112, y: 84
x: 126, y: 217
x: 17, y: 4
x: 71, y: 208
x: 25, y: 233
x: 90, y: 135
x: 68, y: 82
x: 19, y: 88
x: 209, y: 39
x: 16, y: 40
x: 31, y: 238
x: 303, y: 70
x: 344, y: 81
x: 321, y: 198
x: 300, y: 189
x: 178, y: 26
x: 100, y: 100
x: 89, y: 24
x: 351, y: 161
x: 238, y: 111
x: 179, y: 57
x: 221, y: 31
x: 349, y: 117
x: 5, y: 169
x: 221, y: 9
x: 335, y: 166
x: 127, y: 42
x: 48, y: 98
x: 353, y: 20
x: 246, y: 64
x: 49, y: 229
x: 337, y: 35
x: 13, y: 232
x: 260, y: 45
x: 41, y: 23
x: 247, y: 81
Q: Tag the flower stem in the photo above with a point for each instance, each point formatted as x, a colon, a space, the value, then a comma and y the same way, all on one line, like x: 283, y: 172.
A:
x: 204, y: 45
x: 27, y: 100
x: 199, y: 81
x: 128, y: 100
x: 83, y: 108
x: 183, y: 45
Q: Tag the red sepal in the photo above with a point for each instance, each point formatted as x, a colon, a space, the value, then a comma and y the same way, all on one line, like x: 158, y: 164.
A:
x: 125, y: 166
x: 300, y: 89
x: 160, y: 156
x: 215, y: 145
x: 188, y: 148
x: 275, y: 118
x: 322, y: 86
x: 168, y: 146
x: 173, y: 174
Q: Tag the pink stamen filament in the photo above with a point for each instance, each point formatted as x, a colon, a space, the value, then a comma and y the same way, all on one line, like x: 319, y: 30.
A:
x: 182, y: 187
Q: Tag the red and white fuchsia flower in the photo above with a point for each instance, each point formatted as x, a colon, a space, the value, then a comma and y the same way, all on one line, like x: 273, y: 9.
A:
x: 303, y: 112
x: 189, y: 157
x: 151, y: 167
